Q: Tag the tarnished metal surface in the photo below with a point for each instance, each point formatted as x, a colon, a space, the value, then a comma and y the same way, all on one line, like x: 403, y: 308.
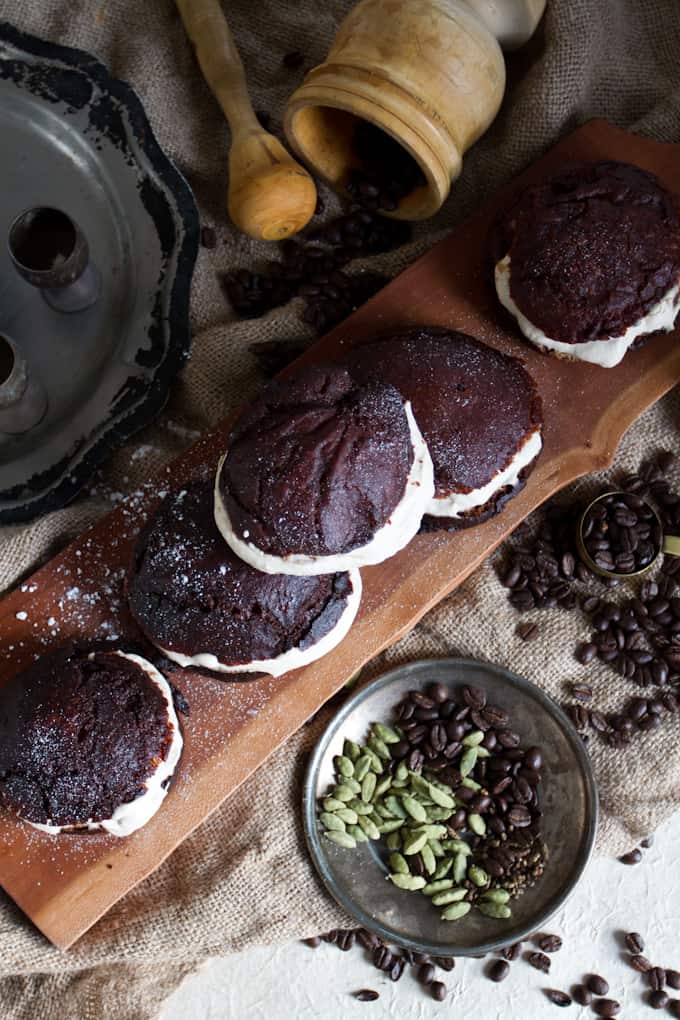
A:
x: 77, y: 139
x: 358, y: 878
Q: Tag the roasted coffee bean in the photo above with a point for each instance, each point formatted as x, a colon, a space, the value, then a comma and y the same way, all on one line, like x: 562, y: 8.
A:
x: 675, y: 1008
x: 656, y: 978
x: 380, y: 955
x: 533, y: 758
x: 446, y: 963
x: 549, y: 943
x: 519, y: 816
x: 632, y: 857
x: 539, y: 961
x: 507, y: 738
x: 498, y: 970
x: 607, y: 1007
x: 673, y: 979
x: 557, y: 997
x: 438, y: 693
x: 640, y: 963
x: 634, y: 942
x: 314, y: 942
x: 579, y: 716
x: 513, y: 952
x: 366, y: 995
x: 397, y: 968
x: 650, y: 722
x: 438, y: 991
x: 426, y: 974
x: 582, y: 995
x: 658, y: 999
x: 367, y: 938
x: 597, y: 984
x: 582, y: 692
x: 495, y: 716
x: 598, y: 722
x: 474, y: 697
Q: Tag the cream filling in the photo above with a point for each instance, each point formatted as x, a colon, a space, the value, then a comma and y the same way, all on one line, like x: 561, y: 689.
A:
x: 608, y: 352
x: 389, y: 539
x: 294, y: 658
x: 131, y: 816
x: 457, y: 503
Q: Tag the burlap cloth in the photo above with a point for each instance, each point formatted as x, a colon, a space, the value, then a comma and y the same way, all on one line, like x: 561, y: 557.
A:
x: 244, y: 877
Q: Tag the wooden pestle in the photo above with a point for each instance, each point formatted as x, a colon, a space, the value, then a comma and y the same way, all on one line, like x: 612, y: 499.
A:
x: 270, y: 196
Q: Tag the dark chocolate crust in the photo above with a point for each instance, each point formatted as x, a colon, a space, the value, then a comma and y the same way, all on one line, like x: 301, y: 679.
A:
x: 474, y: 405
x: 189, y: 593
x: 482, y: 513
x: 591, y: 250
x: 79, y: 737
x: 317, y: 464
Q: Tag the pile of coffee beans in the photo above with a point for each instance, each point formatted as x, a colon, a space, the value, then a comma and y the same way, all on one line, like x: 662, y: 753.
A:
x: 621, y: 533
x: 387, y: 173
x: 453, y: 794
x: 638, y: 635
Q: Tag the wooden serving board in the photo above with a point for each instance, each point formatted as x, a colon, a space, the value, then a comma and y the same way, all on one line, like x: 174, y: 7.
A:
x: 66, y: 883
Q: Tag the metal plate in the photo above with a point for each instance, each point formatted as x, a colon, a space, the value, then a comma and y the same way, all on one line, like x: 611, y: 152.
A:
x: 356, y: 878
x: 78, y: 139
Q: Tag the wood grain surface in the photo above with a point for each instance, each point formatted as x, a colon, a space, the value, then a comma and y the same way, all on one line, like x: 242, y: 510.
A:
x: 66, y: 883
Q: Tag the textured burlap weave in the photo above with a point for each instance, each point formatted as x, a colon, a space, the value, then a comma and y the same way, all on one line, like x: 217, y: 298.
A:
x: 241, y: 878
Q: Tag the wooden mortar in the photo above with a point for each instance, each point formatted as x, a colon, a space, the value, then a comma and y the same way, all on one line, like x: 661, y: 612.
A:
x: 430, y: 73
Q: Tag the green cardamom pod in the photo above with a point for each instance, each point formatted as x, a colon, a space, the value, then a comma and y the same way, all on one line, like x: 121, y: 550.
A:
x: 414, y: 842
x: 435, y: 846
x: 398, y: 864
x: 419, y: 784
x: 496, y: 896
x: 385, y: 733
x: 437, y: 886
x: 383, y: 786
x: 369, y: 827
x: 442, y: 799
x: 352, y: 783
x: 471, y: 784
x: 495, y: 910
x: 380, y: 748
x: 342, y: 792
x: 341, y: 839
x: 459, y: 867
x: 393, y: 841
x: 360, y: 807
x: 455, y: 911
x: 483, y: 752
x: 410, y: 882
x: 390, y: 826
x: 344, y: 766
x: 473, y: 739
x: 395, y: 806
x: 452, y: 896
x: 468, y: 760
x: 347, y: 815
x: 478, y: 876
x: 368, y: 785
x: 477, y: 824
x: 382, y: 811
x: 429, y: 862
x: 443, y: 868
x: 458, y: 846
x: 361, y: 767
x: 358, y: 834
x: 332, y: 804
x: 401, y: 772
x: 414, y: 809
x: 376, y: 764
x: 351, y: 750
x: 332, y: 822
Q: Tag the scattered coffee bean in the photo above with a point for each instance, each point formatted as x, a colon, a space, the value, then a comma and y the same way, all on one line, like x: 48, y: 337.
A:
x: 527, y: 631
x: 647, y: 842
x: 557, y: 997
x: 607, y: 1007
x: 632, y: 857
x: 597, y: 984
x: 656, y: 978
x: 673, y: 979
x: 634, y: 942
x: 498, y: 970
x: 658, y: 999
x: 438, y: 990
x: 582, y: 995
x: 640, y: 963
x: 366, y: 995
x: 314, y: 942
x: 582, y: 692
x: 513, y: 952
x: 446, y: 963
x: 675, y: 1008
x: 208, y: 237
x: 549, y: 943
x: 539, y: 961
x: 426, y: 974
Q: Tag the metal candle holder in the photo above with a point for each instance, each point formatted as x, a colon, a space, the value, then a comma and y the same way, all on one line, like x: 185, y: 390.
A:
x: 49, y: 250
x: 22, y: 399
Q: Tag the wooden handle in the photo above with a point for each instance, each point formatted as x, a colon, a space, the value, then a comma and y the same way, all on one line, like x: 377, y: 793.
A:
x: 219, y: 60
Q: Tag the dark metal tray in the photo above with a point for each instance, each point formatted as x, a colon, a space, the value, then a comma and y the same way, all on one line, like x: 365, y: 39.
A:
x: 75, y: 138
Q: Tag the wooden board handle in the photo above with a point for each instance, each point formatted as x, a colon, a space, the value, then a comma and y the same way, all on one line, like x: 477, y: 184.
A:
x: 219, y: 60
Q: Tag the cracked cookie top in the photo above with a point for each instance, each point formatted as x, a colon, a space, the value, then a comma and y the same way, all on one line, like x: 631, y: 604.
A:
x: 191, y: 594
x: 591, y: 250
x: 79, y: 735
x: 317, y: 464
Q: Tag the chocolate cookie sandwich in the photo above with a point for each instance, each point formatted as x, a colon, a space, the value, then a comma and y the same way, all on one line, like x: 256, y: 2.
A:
x: 588, y: 262
x: 477, y: 409
x: 203, y: 606
x: 88, y: 741
x: 322, y: 474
